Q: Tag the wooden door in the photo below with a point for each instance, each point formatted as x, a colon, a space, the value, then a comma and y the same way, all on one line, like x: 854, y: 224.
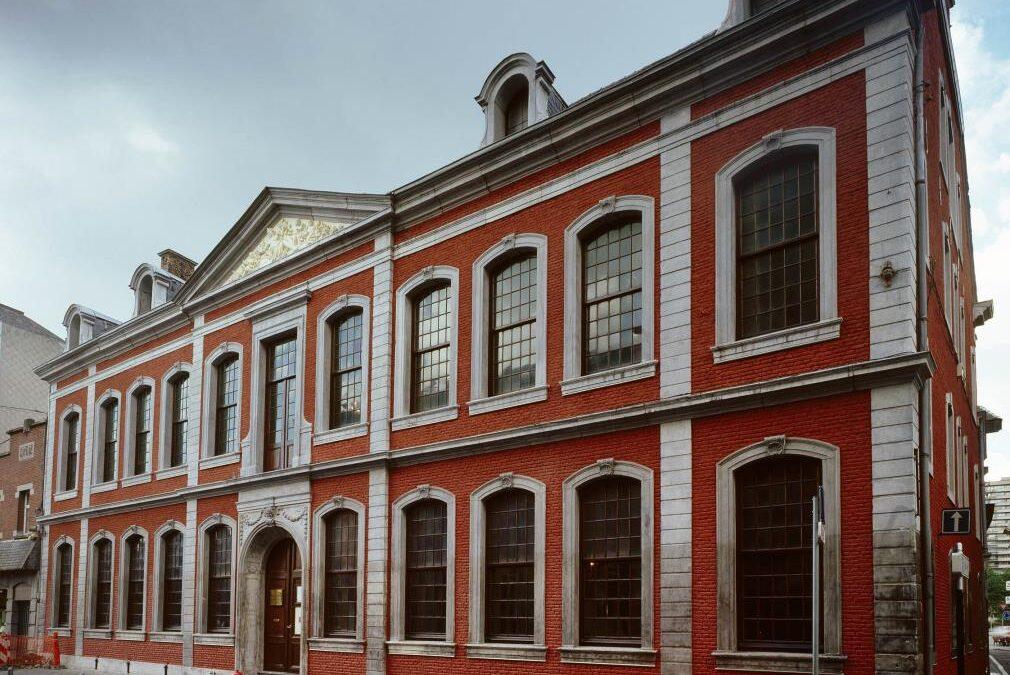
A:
x: 282, y: 613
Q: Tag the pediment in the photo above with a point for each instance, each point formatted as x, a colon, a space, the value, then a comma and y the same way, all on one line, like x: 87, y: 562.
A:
x: 286, y: 236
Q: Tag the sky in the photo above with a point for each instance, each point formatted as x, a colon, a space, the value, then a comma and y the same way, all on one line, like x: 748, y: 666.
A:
x: 130, y: 126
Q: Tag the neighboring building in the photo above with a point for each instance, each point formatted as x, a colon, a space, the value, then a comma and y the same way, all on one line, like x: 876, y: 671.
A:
x: 566, y: 400
x: 24, y: 345
x: 997, y: 493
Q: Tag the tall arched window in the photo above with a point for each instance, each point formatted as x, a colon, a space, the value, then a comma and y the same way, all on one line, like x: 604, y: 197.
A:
x: 110, y: 439
x: 141, y: 429
x: 226, y: 405
x: 64, y: 581
x: 513, y: 340
x: 279, y: 431
x: 430, y: 353
x: 71, y: 440
x: 346, y: 369
x: 178, y: 438
x: 517, y: 110
x: 219, y: 557
x: 425, y: 565
x: 777, y: 250
x: 612, y: 295
x: 610, y: 562
x: 509, y: 560
x: 341, y: 569
x: 171, y: 579
x: 102, y: 561
x: 134, y: 573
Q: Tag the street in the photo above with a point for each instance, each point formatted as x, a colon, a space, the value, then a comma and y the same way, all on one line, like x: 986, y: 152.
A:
x: 999, y: 658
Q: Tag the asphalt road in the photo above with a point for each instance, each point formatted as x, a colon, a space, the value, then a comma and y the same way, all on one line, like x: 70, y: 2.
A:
x: 1001, y: 657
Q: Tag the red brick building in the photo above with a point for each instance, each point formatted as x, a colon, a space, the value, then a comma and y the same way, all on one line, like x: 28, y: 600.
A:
x: 562, y: 405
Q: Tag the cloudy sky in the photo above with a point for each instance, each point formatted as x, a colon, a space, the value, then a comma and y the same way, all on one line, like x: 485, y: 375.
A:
x: 130, y: 126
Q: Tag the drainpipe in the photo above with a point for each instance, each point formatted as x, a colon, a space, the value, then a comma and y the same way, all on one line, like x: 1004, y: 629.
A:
x: 922, y: 310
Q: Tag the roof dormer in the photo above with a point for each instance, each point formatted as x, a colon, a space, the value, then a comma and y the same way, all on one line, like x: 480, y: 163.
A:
x: 83, y: 324
x: 153, y: 285
x: 741, y: 10
x: 518, y: 93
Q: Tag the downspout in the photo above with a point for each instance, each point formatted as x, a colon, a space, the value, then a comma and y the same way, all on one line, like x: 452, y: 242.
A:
x: 922, y: 311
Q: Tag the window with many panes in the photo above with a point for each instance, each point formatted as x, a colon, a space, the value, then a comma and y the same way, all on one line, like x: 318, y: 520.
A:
x: 178, y: 439
x: 610, y: 562
x: 219, y: 557
x: 346, y: 369
x: 777, y: 244
x: 226, y: 405
x: 110, y: 439
x: 71, y: 438
x: 136, y: 560
x: 103, y: 584
x: 341, y: 569
x: 425, y: 566
x: 509, y: 559
x: 279, y: 433
x: 773, y: 549
x: 512, y: 344
x: 612, y: 296
x: 141, y: 429
x: 430, y: 367
x: 171, y: 581
x: 64, y: 581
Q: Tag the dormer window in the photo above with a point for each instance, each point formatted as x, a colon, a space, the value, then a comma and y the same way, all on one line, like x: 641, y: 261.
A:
x: 144, y: 295
x: 518, y: 93
x: 153, y: 286
x: 517, y: 110
x: 74, y: 332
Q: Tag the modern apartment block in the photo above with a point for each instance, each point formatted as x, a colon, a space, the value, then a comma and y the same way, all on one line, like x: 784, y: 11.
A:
x: 562, y: 405
x: 997, y: 493
x: 24, y: 345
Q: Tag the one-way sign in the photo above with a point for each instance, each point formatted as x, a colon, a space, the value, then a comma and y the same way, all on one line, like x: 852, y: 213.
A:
x: 956, y: 521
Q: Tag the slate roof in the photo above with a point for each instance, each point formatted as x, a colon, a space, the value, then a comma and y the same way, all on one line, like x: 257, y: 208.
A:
x: 19, y: 555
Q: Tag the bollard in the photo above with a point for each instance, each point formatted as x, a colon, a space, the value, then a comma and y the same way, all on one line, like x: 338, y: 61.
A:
x: 166, y: 669
x: 96, y: 664
x: 127, y: 668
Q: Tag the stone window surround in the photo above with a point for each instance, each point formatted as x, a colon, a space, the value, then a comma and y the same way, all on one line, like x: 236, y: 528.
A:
x: 403, y: 418
x: 574, y: 380
x: 208, y: 426
x: 165, y: 416
x: 54, y: 582
x: 480, y: 319
x: 319, y: 639
x: 512, y: 68
x: 571, y: 650
x: 93, y: 580
x: 324, y: 360
x: 201, y: 633
x: 397, y: 602
x: 727, y: 655
x: 59, y: 493
x: 828, y: 327
x: 157, y: 597
x: 950, y: 445
x: 477, y: 646
x: 287, y: 316
x: 128, y: 430
x: 99, y: 441
x: 122, y: 632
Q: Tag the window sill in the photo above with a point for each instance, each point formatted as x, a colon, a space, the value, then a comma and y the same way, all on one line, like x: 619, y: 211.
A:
x: 337, y: 645
x: 608, y: 378
x: 340, y: 434
x: 220, y: 460
x: 131, y: 635
x: 421, y: 648
x: 507, y: 652
x: 171, y: 472
x: 166, y: 636
x: 62, y: 632
x: 822, y: 331
x: 218, y: 639
x: 610, y: 656
x: 776, y: 662
x: 98, y: 633
x: 512, y: 399
x: 105, y: 487
x: 64, y: 496
x: 449, y: 412
x: 139, y: 479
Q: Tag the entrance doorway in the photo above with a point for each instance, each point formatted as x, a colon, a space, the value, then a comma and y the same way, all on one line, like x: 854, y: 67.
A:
x: 282, y: 614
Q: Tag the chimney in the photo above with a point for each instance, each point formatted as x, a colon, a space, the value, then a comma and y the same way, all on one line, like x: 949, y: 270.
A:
x: 176, y: 263
x: 28, y: 424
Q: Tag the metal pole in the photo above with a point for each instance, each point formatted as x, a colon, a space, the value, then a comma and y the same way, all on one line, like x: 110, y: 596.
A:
x: 816, y: 591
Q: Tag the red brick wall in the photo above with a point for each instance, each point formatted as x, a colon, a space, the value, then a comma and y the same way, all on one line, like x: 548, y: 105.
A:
x: 15, y: 471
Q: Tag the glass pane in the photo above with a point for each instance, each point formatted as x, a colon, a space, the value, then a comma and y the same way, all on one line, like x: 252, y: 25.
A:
x: 426, y: 570
x: 345, y: 380
x: 226, y: 420
x: 180, y: 423
x: 612, y: 297
x: 136, y: 561
x: 280, y: 404
x: 432, y: 324
x: 509, y: 560
x: 513, y: 319
x: 172, y: 579
x: 341, y: 595
x: 219, y: 580
x: 103, y: 583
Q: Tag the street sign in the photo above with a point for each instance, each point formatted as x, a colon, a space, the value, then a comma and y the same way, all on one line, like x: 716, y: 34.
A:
x: 1006, y: 614
x: 1008, y: 586
x: 956, y: 521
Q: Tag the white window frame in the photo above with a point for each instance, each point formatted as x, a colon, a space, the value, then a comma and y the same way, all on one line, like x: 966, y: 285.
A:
x: 477, y: 646
x: 21, y: 489
x: 158, y: 596
x: 575, y: 381
x: 92, y: 590
x: 201, y: 634
x: 480, y: 338
x: 130, y: 429
x: 571, y: 650
x: 728, y: 346
x: 978, y: 505
x: 965, y: 478
x: 319, y: 640
x: 324, y: 433
x: 727, y: 654
x: 950, y: 445
x: 958, y: 464
x: 122, y: 632
x: 60, y: 493
x: 208, y: 426
x: 398, y: 644
x: 99, y: 442
x: 403, y: 376
x: 54, y: 583
x: 948, y: 278
x: 166, y: 422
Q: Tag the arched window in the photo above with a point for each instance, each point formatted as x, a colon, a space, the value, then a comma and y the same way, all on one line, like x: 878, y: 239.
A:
x: 145, y: 293
x: 171, y: 580
x: 102, y: 561
x: 178, y: 409
x: 346, y: 369
x: 219, y: 569
x: 430, y: 347
x: 135, y: 564
x: 226, y: 399
x: 517, y: 110
x: 74, y: 332
x: 141, y: 429
x: 509, y: 566
x: 110, y: 440
x: 279, y: 431
x: 64, y: 581
x: 610, y: 562
x: 425, y: 565
x: 71, y: 440
x: 341, y: 570
x: 612, y: 295
x: 513, y: 317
